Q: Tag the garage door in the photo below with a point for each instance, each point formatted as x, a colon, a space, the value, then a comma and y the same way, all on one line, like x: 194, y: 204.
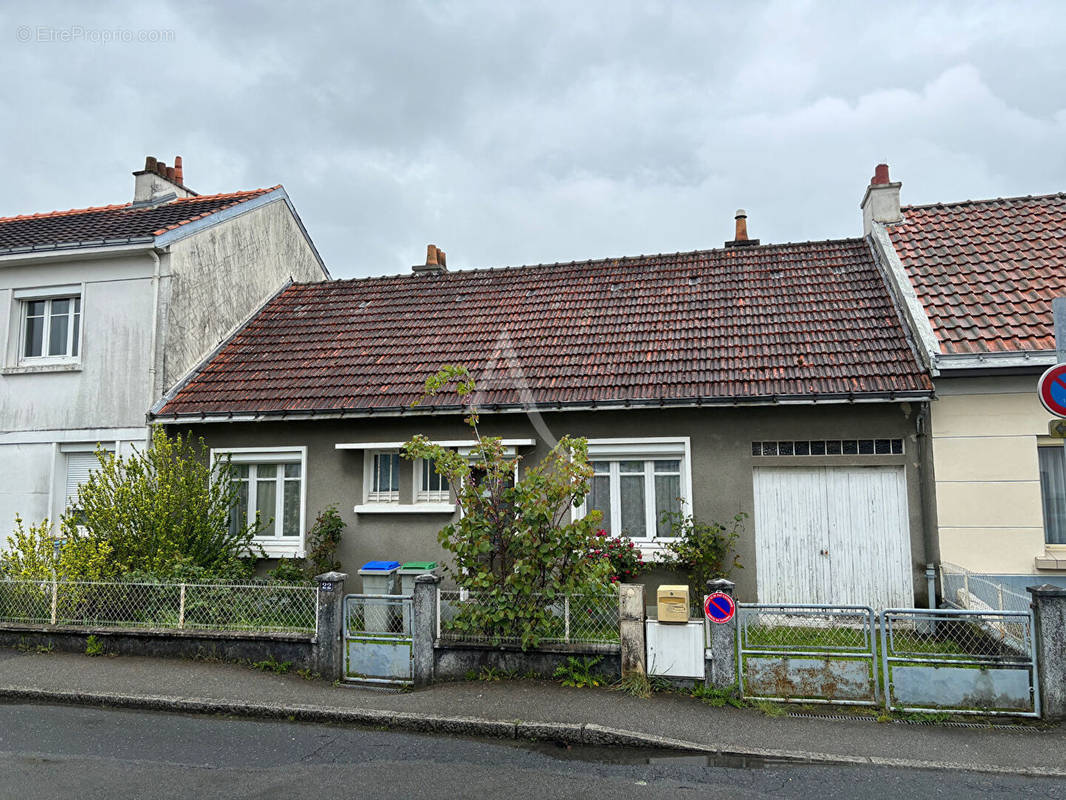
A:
x: 833, y: 536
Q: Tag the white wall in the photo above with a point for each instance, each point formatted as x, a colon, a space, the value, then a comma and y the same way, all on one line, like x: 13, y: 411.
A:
x: 985, y: 437
x: 220, y: 276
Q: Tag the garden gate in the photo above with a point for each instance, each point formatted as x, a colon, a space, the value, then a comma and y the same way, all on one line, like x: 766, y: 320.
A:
x: 377, y: 639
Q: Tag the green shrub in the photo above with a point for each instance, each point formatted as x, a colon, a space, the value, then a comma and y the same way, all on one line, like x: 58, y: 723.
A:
x: 93, y: 646
x: 322, y: 542
x: 580, y: 672
x: 700, y: 550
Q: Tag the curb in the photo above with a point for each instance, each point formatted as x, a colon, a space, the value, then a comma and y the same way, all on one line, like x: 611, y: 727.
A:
x: 567, y: 733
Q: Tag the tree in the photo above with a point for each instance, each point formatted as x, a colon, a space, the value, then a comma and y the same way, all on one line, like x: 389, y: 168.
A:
x: 515, y: 543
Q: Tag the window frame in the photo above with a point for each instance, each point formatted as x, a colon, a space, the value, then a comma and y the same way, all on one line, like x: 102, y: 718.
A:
x: 1056, y: 547
x: 275, y: 545
x: 421, y: 493
x: 647, y: 450
x: 372, y: 496
x: 24, y: 297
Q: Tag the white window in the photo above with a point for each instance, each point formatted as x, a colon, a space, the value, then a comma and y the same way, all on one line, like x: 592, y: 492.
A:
x: 384, y: 477
x: 1053, y: 491
x: 432, y: 487
x: 51, y: 328
x: 270, y: 483
x: 636, y: 482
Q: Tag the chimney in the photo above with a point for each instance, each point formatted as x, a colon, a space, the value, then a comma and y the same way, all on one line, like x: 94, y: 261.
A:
x: 158, y: 183
x: 881, y: 201
x: 436, y: 261
x: 740, y: 238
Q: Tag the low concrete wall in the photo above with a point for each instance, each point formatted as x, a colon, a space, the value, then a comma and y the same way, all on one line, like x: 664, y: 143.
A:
x: 297, y: 648
x: 454, y: 660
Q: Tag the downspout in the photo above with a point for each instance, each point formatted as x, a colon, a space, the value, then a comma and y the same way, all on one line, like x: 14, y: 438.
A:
x: 152, y: 372
x: 927, y: 491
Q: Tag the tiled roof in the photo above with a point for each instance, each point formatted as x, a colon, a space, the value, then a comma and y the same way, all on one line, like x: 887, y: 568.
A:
x: 986, y: 270
x: 118, y: 224
x: 737, y: 324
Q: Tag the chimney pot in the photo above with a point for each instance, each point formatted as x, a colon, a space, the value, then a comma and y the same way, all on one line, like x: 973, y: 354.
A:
x: 881, y: 202
x: 149, y: 163
x: 442, y: 258
x: 880, y: 175
x: 177, y: 170
x: 742, y: 226
x: 435, y: 261
x: 171, y: 174
x: 431, y: 255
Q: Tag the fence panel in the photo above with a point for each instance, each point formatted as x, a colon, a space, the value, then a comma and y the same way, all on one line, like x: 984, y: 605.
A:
x: 961, y: 588
x: 527, y: 621
x: 807, y: 653
x: 261, y: 607
x: 963, y: 661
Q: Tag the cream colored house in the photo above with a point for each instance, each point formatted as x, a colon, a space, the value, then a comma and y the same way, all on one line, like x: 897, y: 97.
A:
x: 975, y: 281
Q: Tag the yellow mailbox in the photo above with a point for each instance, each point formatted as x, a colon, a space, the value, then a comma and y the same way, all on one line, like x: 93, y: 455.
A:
x: 673, y: 604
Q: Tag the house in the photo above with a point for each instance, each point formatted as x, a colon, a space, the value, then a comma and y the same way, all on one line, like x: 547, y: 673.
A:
x: 976, y: 280
x: 775, y: 380
x: 102, y: 309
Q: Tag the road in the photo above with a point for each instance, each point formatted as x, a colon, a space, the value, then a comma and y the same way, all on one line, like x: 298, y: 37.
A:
x: 84, y: 753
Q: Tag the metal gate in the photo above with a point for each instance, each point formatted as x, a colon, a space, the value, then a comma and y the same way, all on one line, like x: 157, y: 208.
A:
x: 965, y: 662
x: 377, y: 638
x: 807, y: 653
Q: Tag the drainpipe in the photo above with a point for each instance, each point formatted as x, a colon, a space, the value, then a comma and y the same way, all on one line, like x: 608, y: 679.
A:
x: 155, y: 334
x: 926, y: 489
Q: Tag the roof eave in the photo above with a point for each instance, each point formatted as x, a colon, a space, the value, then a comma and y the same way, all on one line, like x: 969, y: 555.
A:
x: 850, y: 398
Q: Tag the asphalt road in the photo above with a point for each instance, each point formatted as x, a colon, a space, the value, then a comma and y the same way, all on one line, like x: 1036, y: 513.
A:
x: 66, y: 752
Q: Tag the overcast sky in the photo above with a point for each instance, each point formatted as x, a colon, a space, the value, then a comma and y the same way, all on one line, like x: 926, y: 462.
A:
x: 515, y: 133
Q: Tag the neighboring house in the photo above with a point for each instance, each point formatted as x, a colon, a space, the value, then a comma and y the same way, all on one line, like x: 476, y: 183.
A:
x: 775, y: 380
x: 102, y: 309
x: 976, y: 279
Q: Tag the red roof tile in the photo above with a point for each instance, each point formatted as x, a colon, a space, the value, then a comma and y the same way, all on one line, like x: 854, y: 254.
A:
x: 782, y: 320
x: 986, y: 270
x: 111, y: 224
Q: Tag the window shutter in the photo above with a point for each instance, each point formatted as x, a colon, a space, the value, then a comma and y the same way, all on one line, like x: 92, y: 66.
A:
x: 79, y: 465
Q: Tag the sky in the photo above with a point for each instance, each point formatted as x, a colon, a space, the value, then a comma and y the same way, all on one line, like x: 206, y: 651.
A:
x: 521, y: 133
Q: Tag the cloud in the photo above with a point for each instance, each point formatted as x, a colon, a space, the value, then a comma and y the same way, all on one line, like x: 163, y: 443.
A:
x: 519, y: 133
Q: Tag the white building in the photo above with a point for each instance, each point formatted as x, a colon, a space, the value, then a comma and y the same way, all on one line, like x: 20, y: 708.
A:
x: 103, y: 309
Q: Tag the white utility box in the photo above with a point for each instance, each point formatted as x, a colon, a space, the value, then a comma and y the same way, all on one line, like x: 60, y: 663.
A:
x: 676, y: 650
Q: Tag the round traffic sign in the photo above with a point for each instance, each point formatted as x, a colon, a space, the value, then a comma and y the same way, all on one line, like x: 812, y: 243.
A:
x: 719, y: 607
x: 1052, y: 390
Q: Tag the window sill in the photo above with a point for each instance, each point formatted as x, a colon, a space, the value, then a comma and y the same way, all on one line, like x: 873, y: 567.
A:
x: 405, y: 508
x: 1051, y: 559
x: 272, y: 548
x: 29, y: 369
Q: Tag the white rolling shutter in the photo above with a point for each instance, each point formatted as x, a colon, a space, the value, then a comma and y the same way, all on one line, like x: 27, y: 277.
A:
x: 79, y: 465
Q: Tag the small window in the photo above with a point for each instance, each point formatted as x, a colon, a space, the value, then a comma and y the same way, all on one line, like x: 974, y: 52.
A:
x: 831, y: 447
x: 432, y: 486
x: 384, y: 477
x: 51, y: 328
x: 1053, y: 492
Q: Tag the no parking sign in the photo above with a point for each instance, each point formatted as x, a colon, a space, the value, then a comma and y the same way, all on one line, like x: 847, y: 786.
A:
x: 1052, y: 389
x: 719, y: 607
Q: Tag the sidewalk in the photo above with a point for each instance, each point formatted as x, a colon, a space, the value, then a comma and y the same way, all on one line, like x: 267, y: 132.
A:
x: 527, y: 710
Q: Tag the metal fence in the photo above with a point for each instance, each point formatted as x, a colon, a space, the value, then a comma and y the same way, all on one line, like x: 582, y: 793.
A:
x: 527, y: 621
x: 964, y: 661
x: 808, y: 653
x: 378, y: 638
x: 964, y: 589
x: 253, y: 606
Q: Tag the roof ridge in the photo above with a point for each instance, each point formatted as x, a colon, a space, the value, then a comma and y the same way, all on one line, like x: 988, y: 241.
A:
x: 596, y: 261
x: 121, y: 206
x: 987, y: 201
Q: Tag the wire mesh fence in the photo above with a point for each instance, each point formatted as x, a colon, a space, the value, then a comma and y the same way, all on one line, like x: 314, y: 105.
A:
x: 253, y: 606
x: 808, y: 629
x: 964, y: 589
x: 527, y: 621
x: 962, y: 636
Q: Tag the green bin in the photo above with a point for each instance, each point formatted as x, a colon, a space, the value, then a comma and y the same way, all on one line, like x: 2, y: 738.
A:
x: 409, y: 572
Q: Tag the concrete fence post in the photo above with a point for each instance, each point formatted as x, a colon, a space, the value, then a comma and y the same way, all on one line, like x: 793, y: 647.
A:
x: 1049, y: 614
x: 722, y: 650
x: 424, y: 628
x: 328, y: 651
x: 631, y: 629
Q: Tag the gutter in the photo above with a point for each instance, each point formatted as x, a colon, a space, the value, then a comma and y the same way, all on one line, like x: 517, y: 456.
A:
x: 519, y: 408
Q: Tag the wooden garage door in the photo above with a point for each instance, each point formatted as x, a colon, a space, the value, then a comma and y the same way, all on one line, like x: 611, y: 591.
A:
x: 833, y: 536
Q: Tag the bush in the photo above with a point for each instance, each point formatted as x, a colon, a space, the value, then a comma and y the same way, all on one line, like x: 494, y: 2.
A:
x: 701, y: 550
x: 624, y: 559
x: 323, y: 540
